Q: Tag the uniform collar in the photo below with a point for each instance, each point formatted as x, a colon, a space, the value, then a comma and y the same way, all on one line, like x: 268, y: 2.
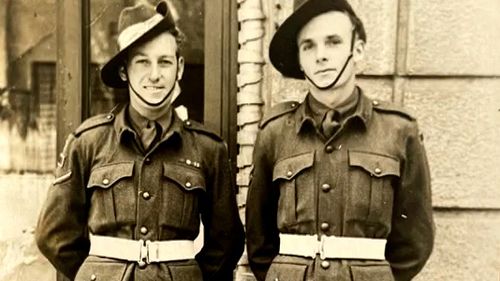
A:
x: 139, y: 122
x: 363, y: 111
x: 123, y: 126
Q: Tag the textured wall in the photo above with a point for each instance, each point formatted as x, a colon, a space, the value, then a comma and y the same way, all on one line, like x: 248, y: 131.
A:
x: 380, y: 21
x: 454, y: 37
x: 467, y: 247
x: 21, y: 197
x: 441, y: 60
x: 460, y: 119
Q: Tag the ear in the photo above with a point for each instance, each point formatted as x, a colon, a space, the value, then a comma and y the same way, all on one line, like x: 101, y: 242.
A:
x: 122, y: 73
x: 180, y: 67
x: 358, y: 53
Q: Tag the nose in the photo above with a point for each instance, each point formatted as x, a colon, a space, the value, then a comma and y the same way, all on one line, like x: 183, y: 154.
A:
x: 321, y: 54
x: 154, y: 74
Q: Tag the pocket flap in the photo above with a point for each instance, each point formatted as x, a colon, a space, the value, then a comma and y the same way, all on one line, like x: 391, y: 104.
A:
x: 288, y: 168
x: 106, y: 176
x: 188, y: 178
x: 376, y: 164
x: 286, y: 272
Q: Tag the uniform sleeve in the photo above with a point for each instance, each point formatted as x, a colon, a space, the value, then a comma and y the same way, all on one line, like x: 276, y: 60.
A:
x: 224, y: 235
x: 412, y: 236
x: 261, y: 210
x: 61, y: 229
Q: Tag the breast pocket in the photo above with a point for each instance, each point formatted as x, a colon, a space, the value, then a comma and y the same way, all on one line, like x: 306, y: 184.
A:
x: 182, y: 188
x: 371, y: 193
x: 288, y: 176
x: 112, y: 191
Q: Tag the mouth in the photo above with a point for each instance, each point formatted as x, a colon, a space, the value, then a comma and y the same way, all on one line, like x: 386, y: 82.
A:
x: 322, y: 71
x: 154, y: 88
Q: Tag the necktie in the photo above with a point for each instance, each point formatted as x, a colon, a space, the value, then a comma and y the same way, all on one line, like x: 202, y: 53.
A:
x: 330, y: 123
x: 149, y: 134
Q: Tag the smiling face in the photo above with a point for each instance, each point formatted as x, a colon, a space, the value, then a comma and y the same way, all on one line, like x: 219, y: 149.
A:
x: 152, y: 71
x: 324, y: 45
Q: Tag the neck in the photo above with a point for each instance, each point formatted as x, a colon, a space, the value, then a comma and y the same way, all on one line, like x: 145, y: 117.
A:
x: 334, y: 96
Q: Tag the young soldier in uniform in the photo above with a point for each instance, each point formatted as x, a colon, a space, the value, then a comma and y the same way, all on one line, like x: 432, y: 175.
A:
x: 132, y: 185
x: 340, y: 187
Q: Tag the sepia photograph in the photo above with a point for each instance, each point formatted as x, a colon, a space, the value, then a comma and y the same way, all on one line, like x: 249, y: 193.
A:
x: 249, y: 140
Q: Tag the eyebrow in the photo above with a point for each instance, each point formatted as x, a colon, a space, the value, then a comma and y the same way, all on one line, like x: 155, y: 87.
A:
x: 137, y: 53
x: 328, y: 37
x: 304, y: 41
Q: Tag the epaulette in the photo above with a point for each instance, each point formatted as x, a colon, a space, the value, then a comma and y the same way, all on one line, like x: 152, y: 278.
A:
x: 93, y: 122
x: 391, y: 108
x: 197, y: 127
x: 278, y: 110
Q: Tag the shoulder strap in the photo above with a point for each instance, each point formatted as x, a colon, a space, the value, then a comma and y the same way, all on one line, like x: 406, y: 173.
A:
x: 277, y: 111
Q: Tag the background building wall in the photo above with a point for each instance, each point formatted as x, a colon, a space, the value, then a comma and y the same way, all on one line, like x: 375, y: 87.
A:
x: 440, y: 60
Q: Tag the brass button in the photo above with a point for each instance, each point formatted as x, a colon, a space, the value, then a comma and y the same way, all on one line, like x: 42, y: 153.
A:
x: 147, y: 160
x: 93, y: 277
x: 188, y: 184
x: 146, y: 195
x: 329, y: 149
x: 378, y: 171
x: 188, y: 162
x: 375, y: 103
x: 294, y: 105
x: 289, y: 173
x: 188, y: 123
x: 326, y: 187
x: 109, y: 116
x: 324, y: 226
x: 142, y: 264
x: 325, y: 264
x: 144, y: 230
x: 105, y: 181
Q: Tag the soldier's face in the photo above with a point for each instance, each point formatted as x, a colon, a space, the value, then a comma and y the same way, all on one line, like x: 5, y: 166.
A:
x: 153, y: 68
x: 324, y: 45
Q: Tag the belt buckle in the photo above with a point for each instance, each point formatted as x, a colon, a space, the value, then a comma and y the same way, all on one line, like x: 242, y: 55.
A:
x: 144, y: 253
x: 321, y: 247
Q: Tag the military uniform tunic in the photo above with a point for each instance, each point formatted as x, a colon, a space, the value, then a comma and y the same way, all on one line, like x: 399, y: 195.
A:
x: 107, y: 185
x: 370, y: 179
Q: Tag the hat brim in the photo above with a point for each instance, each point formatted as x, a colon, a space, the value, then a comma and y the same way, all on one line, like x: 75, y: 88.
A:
x: 110, y: 72
x: 283, y: 49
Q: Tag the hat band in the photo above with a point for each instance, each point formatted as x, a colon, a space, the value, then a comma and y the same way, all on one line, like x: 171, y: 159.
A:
x: 135, y: 31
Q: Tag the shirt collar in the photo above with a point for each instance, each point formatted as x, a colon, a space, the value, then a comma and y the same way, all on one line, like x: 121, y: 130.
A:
x: 139, y: 122
x: 126, y: 121
x: 361, y: 109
